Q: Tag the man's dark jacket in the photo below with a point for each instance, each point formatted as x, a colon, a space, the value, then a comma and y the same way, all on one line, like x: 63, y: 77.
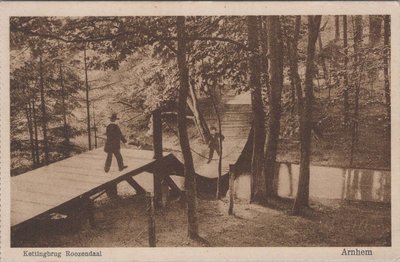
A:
x: 214, y: 140
x: 114, y: 136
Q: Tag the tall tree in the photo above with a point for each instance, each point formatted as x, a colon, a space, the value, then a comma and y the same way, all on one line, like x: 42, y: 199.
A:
x: 87, y: 97
x: 346, y: 77
x: 35, y: 128
x: 306, y: 120
x: 293, y: 63
x: 375, y: 28
x: 28, y: 113
x: 374, y: 37
x: 43, y: 109
x: 158, y: 154
x: 257, y: 181
x: 386, y: 64
x: 275, y: 45
x: 190, y: 179
x: 324, y: 67
x: 358, y: 67
x: 337, y: 28
x: 263, y: 22
x: 64, y: 112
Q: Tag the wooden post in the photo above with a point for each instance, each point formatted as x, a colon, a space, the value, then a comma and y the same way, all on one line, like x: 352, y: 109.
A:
x: 94, y: 126
x: 231, y: 188
x: 87, y: 98
x: 112, y: 191
x: 158, y: 154
x: 152, y: 220
x: 90, y: 210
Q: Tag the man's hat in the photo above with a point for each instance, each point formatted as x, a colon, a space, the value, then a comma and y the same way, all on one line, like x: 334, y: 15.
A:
x: 114, y: 117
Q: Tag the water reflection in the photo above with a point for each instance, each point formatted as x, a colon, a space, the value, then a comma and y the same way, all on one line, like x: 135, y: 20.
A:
x: 327, y: 182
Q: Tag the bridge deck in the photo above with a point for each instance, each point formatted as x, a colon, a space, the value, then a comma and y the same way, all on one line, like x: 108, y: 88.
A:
x: 43, y: 189
x: 236, y: 117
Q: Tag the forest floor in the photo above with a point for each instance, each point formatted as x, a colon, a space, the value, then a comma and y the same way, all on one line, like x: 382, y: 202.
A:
x: 332, y: 146
x: 123, y: 222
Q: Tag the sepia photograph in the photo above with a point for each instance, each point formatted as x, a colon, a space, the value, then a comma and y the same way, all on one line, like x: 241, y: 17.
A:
x: 199, y: 131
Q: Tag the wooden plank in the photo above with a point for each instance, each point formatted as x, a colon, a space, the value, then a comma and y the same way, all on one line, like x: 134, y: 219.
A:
x: 29, y: 210
x: 42, y: 197
x: 100, y: 168
x: 135, y: 185
x: 18, y: 217
x: 63, y: 181
x: 79, y: 174
x: 16, y: 188
x: 77, y: 161
x: 57, y: 183
x: 32, y: 203
x: 126, y: 157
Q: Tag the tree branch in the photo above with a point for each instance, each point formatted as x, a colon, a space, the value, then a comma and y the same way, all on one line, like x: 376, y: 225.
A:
x: 110, y: 37
x: 219, y: 39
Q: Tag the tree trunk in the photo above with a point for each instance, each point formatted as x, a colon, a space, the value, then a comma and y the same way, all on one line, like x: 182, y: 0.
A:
x: 275, y: 44
x: 374, y: 37
x: 28, y: 113
x: 44, y: 115
x: 87, y: 99
x: 190, y: 179
x: 306, y: 118
x: 293, y: 59
x: 324, y: 68
x: 64, y: 112
x: 386, y: 64
x: 290, y: 72
x: 94, y: 126
x: 257, y: 182
x: 217, y: 113
x: 375, y: 28
x: 35, y: 127
x: 199, y: 120
x: 264, y: 54
x: 337, y: 28
x: 158, y: 154
x: 346, y: 79
x: 358, y: 35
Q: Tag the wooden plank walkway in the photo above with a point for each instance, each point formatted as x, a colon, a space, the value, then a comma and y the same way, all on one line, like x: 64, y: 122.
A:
x: 43, y: 189
x: 236, y: 117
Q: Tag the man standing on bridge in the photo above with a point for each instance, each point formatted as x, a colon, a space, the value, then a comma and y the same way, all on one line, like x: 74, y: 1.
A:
x: 112, y: 146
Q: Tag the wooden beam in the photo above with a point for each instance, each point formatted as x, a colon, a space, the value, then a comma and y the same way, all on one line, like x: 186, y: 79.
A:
x: 139, y: 189
x: 172, y: 185
x: 231, y: 188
